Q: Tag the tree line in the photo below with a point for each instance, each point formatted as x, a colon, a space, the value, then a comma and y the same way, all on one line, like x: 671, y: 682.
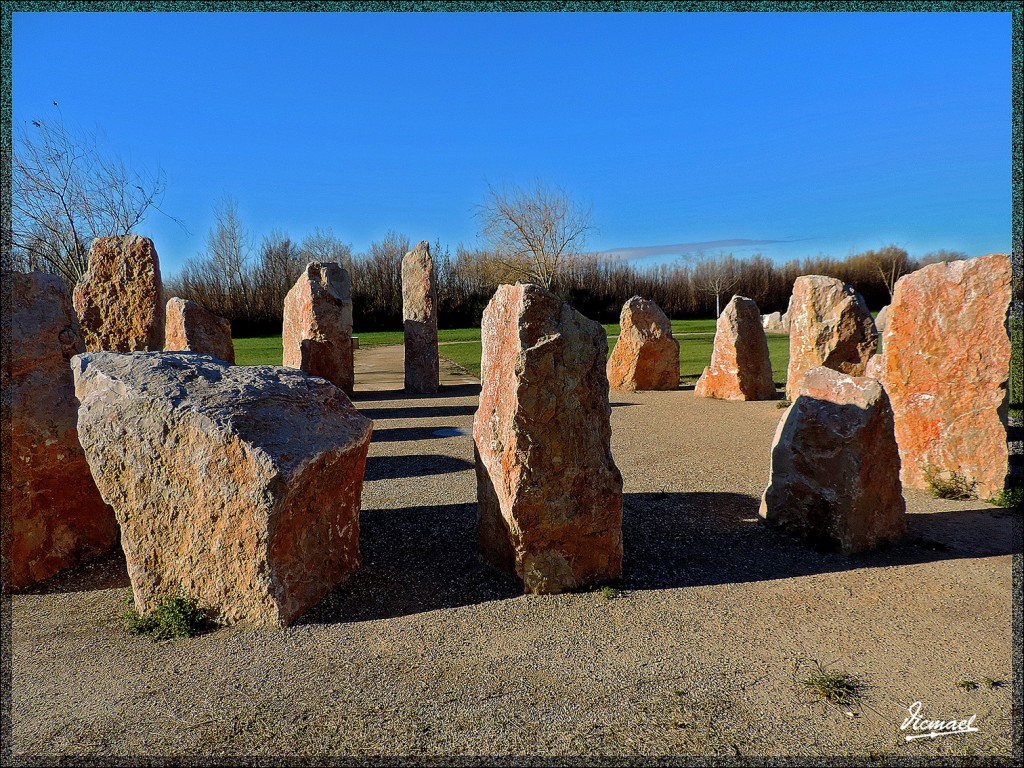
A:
x: 248, y: 284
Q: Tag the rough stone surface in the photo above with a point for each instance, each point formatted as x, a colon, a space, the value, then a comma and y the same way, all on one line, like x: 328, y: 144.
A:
x: 119, y: 299
x: 740, y: 366
x: 549, y: 493
x: 875, y: 367
x: 419, y: 311
x: 774, y: 323
x: 829, y: 325
x: 835, y: 466
x: 947, y: 364
x: 881, y: 319
x: 317, y: 332
x: 53, y: 516
x: 191, y: 328
x: 645, y: 355
x: 239, y: 486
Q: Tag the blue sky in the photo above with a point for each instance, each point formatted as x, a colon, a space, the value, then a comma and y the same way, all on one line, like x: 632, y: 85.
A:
x: 788, y: 134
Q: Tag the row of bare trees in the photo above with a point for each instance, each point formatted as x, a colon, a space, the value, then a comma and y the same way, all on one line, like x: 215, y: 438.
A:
x: 248, y: 284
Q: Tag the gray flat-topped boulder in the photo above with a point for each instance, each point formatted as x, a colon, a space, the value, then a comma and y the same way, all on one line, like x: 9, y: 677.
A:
x: 419, y: 315
x: 835, y: 471
x: 239, y: 486
x: 119, y: 299
x: 54, y: 518
x: 317, y: 329
x: 190, y: 327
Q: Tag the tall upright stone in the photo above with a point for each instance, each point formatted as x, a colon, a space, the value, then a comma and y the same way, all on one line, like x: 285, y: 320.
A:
x: 645, y: 355
x: 119, y: 299
x: 190, y: 327
x: 53, y: 515
x: 946, y: 367
x: 237, y: 485
x: 881, y: 319
x: 835, y: 466
x: 419, y: 312
x: 317, y: 331
x: 549, y: 494
x: 740, y: 366
x: 829, y: 325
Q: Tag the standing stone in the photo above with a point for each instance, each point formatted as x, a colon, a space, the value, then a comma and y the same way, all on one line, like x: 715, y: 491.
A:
x: 773, y: 323
x: 740, y: 367
x: 946, y: 367
x: 119, y: 299
x: 829, y: 325
x: 317, y: 333
x: 549, y: 493
x: 419, y: 311
x: 645, y: 355
x: 881, y: 319
x: 53, y: 516
x: 835, y: 466
x: 238, y: 486
x: 191, y: 328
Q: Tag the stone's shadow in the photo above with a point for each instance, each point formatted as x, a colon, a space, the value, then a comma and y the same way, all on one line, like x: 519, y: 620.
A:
x: 418, y: 412
x: 420, y: 465
x: 415, y: 559
x: 401, y: 434
x: 675, y: 540
x: 106, y: 572
x: 622, y: 405
x: 446, y: 390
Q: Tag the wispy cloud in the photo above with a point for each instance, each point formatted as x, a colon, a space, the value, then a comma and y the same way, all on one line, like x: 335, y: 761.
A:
x: 682, y: 249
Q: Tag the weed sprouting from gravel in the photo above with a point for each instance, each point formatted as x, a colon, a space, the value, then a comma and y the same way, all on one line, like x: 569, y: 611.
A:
x: 968, y: 685
x: 991, y: 683
x: 1009, y: 497
x: 956, y: 486
x: 178, y: 616
x: 839, y: 688
x: 783, y: 404
x: 609, y: 592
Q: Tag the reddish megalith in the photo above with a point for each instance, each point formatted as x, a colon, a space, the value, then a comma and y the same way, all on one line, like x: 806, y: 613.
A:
x: 740, y: 366
x: 645, y: 355
x: 317, y: 329
x: 548, y: 490
x: 53, y: 515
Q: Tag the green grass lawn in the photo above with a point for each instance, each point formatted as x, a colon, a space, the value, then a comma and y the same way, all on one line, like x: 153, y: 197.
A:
x: 694, y: 350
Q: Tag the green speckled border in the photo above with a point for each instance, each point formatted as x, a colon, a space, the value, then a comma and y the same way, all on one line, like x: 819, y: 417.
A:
x: 1017, y: 166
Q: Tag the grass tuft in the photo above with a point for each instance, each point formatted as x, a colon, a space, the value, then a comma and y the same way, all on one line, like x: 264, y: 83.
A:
x: 1009, y: 497
x: 783, y: 404
x: 954, y: 486
x: 609, y: 592
x: 174, y: 617
x: 839, y: 688
x: 968, y: 685
x: 991, y: 683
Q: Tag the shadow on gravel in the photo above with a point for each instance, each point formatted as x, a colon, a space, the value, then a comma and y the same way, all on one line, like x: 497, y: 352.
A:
x: 420, y: 465
x: 415, y: 559
x: 107, y: 572
x: 406, y: 434
x: 446, y: 390
x: 417, y: 412
x: 691, y: 539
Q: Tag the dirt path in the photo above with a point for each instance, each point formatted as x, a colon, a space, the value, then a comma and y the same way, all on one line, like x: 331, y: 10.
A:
x: 425, y: 651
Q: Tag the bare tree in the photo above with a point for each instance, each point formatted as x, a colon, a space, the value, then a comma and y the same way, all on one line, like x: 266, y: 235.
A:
x: 323, y: 246
x: 534, y: 233
x: 65, y: 192
x: 892, y: 263
x: 718, y: 276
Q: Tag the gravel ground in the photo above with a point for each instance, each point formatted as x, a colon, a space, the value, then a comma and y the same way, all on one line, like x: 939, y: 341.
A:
x: 427, y: 652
